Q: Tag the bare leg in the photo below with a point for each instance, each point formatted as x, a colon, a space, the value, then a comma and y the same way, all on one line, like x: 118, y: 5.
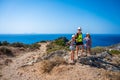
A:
x: 89, y: 51
x: 82, y: 49
x: 71, y: 55
x: 77, y: 49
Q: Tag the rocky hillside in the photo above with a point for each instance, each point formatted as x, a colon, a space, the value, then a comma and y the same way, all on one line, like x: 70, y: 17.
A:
x: 51, y: 62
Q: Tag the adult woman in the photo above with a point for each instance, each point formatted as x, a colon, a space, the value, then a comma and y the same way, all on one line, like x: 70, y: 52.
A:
x: 79, y: 41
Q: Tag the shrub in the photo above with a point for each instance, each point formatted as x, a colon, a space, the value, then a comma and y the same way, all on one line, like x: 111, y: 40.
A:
x: 114, y: 52
x: 61, y: 41
x: 17, y: 44
x: 34, y: 46
x: 53, y: 47
x: 43, y: 41
x: 0, y: 43
x: 57, y: 44
x: 48, y: 65
x: 5, y: 43
x: 6, y: 51
x: 98, y: 50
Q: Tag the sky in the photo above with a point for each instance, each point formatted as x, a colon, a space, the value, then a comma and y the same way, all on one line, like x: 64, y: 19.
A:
x: 59, y: 16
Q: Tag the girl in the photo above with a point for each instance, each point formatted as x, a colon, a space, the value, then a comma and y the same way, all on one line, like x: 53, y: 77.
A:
x: 72, y: 48
x: 88, y: 43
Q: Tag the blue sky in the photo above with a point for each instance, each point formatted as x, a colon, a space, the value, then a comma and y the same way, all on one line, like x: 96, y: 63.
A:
x: 59, y: 16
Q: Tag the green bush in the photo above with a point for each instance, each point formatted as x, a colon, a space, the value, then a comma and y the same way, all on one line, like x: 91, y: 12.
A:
x: 6, y: 51
x: 43, y: 41
x: 18, y: 44
x: 34, y: 46
x: 114, y: 52
x: 61, y: 41
x: 57, y: 44
x: 5, y: 43
x: 98, y: 49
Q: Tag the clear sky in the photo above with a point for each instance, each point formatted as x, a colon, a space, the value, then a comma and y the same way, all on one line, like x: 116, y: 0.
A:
x: 59, y: 16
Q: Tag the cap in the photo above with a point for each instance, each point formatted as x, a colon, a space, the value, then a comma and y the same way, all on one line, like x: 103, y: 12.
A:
x: 87, y: 33
x: 73, y: 35
x: 79, y: 28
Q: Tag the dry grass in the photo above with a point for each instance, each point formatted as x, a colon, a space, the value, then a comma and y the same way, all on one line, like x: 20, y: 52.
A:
x: 109, y: 75
x: 0, y: 70
x: 98, y: 49
x: 48, y: 65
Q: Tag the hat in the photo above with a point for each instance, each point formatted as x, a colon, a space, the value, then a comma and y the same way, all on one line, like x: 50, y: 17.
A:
x: 87, y: 33
x: 73, y: 35
x: 79, y: 28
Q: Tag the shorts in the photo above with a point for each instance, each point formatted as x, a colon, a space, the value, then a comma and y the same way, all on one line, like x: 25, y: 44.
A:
x: 79, y: 43
x: 72, y: 48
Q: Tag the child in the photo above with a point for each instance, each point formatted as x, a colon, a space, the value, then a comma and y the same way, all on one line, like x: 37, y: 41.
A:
x: 88, y: 43
x: 72, y: 48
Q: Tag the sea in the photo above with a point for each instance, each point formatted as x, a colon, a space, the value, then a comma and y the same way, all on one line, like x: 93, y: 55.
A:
x: 97, y: 39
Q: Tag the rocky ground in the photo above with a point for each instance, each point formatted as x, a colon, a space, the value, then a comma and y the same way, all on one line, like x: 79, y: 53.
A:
x: 37, y: 65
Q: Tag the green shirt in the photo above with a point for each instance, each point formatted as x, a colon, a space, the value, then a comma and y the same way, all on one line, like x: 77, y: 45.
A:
x: 79, y: 38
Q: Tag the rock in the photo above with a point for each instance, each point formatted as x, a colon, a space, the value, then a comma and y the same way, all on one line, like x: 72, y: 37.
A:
x: 8, y: 61
x: 30, y: 63
x: 33, y: 70
x: 60, y: 53
x: 99, y: 61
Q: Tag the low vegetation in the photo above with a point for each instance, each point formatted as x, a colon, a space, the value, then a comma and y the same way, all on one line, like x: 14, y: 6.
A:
x: 57, y: 44
x: 98, y: 49
x: 34, y: 46
x: 43, y: 41
x: 6, y: 51
x: 4, y: 43
x: 48, y: 65
x: 61, y: 41
x: 109, y: 75
x: 19, y: 45
x: 114, y: 52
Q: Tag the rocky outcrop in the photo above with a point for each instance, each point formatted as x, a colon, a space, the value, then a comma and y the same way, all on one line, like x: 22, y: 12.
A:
x: 102, y: 60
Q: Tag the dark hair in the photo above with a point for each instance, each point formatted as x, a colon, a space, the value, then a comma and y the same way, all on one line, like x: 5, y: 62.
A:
x: 88, y: 35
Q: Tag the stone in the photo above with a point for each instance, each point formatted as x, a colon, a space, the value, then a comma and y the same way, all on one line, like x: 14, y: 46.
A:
x: 99, y: 61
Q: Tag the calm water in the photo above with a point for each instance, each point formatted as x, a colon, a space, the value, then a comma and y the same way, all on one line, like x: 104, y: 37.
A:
x: 97, y: 39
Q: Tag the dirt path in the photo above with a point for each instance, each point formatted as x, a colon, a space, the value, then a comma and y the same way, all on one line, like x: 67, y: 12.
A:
x: 11, y: 72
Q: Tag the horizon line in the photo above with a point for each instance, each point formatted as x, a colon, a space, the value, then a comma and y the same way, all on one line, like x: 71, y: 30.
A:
x: 49, y: 33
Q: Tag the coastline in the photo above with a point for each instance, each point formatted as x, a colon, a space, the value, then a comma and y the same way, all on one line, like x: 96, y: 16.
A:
x: 97, y: 39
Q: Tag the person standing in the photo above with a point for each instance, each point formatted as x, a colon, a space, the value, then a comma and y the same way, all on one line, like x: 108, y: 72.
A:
x: 79, y: 41
x: 72, y: 48
x: 88, y: 43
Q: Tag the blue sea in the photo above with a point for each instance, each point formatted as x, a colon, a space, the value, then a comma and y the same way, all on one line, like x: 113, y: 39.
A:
x: 97, y: 39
